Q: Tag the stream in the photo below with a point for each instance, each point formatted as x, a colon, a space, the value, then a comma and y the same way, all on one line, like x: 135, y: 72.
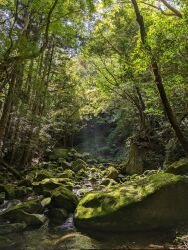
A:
x: 67, y: 236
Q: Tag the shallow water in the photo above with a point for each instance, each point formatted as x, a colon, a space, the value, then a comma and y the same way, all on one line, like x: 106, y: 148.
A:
x: 67, y: 236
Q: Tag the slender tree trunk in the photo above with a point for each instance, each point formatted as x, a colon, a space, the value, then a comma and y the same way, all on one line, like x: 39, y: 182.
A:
x: 159, y: 82
x: 6, y: 111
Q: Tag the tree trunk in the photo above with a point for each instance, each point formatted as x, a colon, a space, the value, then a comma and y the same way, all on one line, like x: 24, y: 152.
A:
x: 6, y: 111
x: 159, y: 82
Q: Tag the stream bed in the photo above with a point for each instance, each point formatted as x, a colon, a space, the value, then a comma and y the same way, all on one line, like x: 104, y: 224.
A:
x: 67, y: 237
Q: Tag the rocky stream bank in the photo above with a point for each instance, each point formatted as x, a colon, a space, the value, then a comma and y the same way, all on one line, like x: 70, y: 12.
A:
x: 74, y: 202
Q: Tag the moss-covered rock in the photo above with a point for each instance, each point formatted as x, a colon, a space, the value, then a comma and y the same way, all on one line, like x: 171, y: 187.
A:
x: 82, y: 174
x: 29, y: 206
x: 27, y: 182
x: 47, y: 185
x: 158, y: 201
x: 8, y: 228
x: 78, y: 165
x: 108, y: 182
x: 112, y: 173
x: 27, y: 212
x: 179, y: 167
x: 64, y: 164
x: 19, y: 215
x: 43, y: 174
x: 46, y: 202
x: 6, y: 243
x: 68, y: 173
x: 57, y: 216
x: 64, y: 198
x: 13, y: 191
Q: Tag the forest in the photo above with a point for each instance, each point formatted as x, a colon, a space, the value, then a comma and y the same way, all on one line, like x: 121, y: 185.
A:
x: 93, y: 124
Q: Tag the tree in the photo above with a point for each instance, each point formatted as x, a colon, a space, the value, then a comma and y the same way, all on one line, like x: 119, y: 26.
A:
x: 158, y: 80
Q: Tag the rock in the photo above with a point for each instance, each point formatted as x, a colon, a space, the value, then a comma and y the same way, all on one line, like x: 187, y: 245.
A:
x: 78, y: 165
x: 26, y: 212
x: 2, y: 197
x: 64, y: 164
x: 81, y: 174
x: 64, y: 198
x: 46, y: 202
x: 25, y: 182
x: 83, y: 192
x: 7, y: 228
x: 43, y: 174
x: 112, y: 173
x: 6, y: 243
x: 29, y: 206
x: 108, y: 182
x: 93, y: 170
x: 68, y: 173
x: 158, y: 201
x: 179, y: 167
x: 47, y: 185
x: 12, y: 191
x: 57, y: 216
x: 19, y: 215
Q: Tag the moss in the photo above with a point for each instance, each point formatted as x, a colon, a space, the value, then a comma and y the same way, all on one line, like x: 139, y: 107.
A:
x: 43, y: 174
x: 78, y: 165
x: 179, y: 167
x: 108, y: 182
x: 30, y: 206
x: 136, y: 205
x: 46, y: 202
x: 12, y: 191
x: 19, y: 215
x: 81, y: 173
x: 47, y: 185
x: 68, y: 173
x: 111, y: 173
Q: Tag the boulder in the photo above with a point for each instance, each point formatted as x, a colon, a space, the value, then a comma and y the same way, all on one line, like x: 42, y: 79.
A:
x: 19, y: 215
x: 108, y: 182
x: 68, y: 173
x: 57, y: 216
x: 43, y: 174
x: 7, y: 243
x: 13, y: 191
x: 47, y: 185
x: 112, y: 173
x: 78, y: 165
x: 8, y: 228
x: 29, y: 206
x: 179, y: 167
x: 64, y: 198
x: 158, y: 201
x: 46, y: 202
